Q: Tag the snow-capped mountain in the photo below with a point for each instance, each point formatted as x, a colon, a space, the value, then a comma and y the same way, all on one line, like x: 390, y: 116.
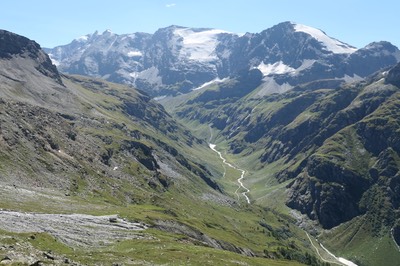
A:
x: 332, y: 45
x: 179, y: 59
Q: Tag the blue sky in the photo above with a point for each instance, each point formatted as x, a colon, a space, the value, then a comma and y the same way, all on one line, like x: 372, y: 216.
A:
x: 52, y: 23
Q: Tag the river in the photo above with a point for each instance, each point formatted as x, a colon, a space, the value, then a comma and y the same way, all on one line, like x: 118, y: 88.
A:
x: 239, y: 180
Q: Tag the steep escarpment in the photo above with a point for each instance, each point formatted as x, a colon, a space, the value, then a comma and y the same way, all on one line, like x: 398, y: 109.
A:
x: 355, y: 171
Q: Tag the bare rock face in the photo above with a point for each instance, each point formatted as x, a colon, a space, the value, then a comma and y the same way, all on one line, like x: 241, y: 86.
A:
x: 12, y: 45
x: 329, y: 203
x: 356, y: 171
x: 393, y: 76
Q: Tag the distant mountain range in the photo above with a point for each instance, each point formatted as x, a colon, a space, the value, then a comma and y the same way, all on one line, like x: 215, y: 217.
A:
x: 177, y: 59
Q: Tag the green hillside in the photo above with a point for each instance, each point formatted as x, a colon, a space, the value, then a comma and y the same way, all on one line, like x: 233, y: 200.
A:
x: 96, y: 173
x: 331, y: 154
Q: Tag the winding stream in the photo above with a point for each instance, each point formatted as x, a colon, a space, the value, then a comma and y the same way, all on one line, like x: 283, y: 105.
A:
x: 240, y: 180
x: 338, y: 260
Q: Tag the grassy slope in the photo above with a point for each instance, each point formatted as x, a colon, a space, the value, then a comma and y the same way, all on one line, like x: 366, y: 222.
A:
x: 260, y: 178
x: 354, y: 241
x: 367, y: 239
x: 182, y: 202
x: 239, y: 226
x: 148, y: 252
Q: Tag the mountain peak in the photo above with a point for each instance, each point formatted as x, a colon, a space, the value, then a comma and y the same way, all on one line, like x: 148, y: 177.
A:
x: 83, y: 38
x: 331, y: 44
x: 381, y: 45
x: 13, y: 45
x: 108, y: 31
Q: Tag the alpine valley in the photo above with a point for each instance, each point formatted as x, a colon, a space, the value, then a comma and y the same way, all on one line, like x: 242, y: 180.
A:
x: 196, y: 146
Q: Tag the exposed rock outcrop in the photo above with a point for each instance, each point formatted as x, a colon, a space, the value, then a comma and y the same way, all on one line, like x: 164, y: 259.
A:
x: 12, y: 45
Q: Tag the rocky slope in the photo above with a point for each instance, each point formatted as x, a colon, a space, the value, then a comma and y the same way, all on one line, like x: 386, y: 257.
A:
x: 337, y: 148
x: 73, y: 144
x: 279, y: 102
x: 355, y: 170
x: 178, y: 59
x: 334, y: 143
x: 65, y: 126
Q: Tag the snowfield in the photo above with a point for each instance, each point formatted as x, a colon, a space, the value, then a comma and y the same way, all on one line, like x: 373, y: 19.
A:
x: 199, y: 45
x: 280, y: 68
x: 331, y: 44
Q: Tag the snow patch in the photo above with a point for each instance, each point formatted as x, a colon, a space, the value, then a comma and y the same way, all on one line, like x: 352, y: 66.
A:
x: 53, y: 60
x: 199, y: 45
x: 276, y: 68
x: 159, y: 98
x: 217, y: 80
x: 83, y: 38
x: 281, y: 68
x: 340, y: 259
x: 135, y: 54
x: 331, y: 44
x: 134, y: 75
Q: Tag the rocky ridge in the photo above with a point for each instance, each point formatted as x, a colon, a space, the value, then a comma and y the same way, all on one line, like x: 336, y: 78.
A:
x: 177, y: 59
x: 12, y: 45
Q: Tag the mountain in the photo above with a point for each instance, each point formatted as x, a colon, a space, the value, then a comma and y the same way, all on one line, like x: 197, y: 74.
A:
x: 304, y: 125
x: 332, y: 152
x: 93, y: 172
x: 170, y: 60
x: 177, y: 59
x: 81, y: 128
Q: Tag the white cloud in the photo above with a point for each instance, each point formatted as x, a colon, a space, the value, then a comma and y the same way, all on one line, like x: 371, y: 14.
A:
x: 170, y: 5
